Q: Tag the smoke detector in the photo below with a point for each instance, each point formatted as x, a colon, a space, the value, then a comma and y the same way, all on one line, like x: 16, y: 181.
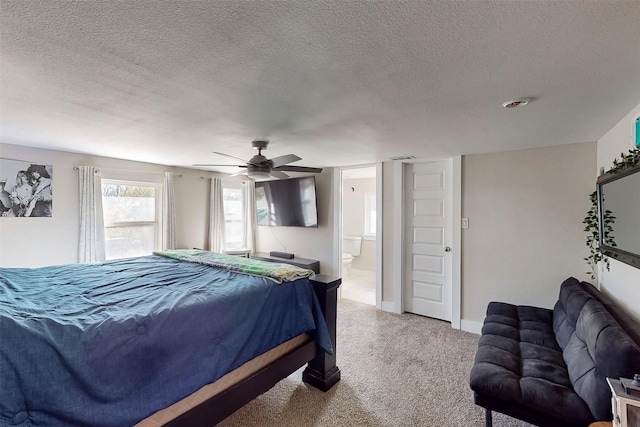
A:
x: 520, y: 102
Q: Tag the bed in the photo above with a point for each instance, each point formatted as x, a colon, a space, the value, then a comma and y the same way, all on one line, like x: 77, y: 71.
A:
x: 117, y: 343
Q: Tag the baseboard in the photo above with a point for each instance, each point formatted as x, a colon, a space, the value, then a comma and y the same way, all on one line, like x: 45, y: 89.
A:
x: 388, y: 306
x: 471, y: 326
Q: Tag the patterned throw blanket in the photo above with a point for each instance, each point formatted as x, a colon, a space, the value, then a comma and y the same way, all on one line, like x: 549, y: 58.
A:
x: 274, y: 271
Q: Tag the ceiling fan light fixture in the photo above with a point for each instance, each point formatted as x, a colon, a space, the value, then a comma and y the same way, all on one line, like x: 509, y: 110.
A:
x: 261, y: 168
x: 258, y: 173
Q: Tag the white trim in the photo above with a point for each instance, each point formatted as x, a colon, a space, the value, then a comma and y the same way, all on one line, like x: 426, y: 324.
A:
x: 398, y: 243
x: 398, y: 235
x: 456, y: 289
x: 471, y: 326
x: 379, y: 196
x: 337, y: 225
x: 388, y: 306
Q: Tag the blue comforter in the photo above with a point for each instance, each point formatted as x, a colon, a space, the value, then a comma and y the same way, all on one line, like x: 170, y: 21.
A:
x: 108, y: 344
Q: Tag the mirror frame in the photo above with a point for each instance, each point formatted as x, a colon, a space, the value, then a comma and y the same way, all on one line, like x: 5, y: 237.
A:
x: 613, y: 252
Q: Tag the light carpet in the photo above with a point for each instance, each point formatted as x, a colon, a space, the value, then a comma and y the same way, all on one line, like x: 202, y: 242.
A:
x: 397, y: 370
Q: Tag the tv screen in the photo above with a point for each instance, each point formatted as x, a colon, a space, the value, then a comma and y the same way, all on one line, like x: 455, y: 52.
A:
x: 287, y: 202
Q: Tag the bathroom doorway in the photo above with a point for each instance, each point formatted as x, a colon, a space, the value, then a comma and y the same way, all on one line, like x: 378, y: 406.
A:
x: 360, y: 219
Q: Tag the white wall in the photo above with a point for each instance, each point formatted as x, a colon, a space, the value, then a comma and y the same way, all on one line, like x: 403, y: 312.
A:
x: 311, y: 243
x: 525, y: 234
x: 35, y: 242
x: 622, y: 282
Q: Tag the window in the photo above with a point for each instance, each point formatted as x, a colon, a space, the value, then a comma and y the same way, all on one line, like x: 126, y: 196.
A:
x: 369, y: 214
x: 234, y: 217
x: 131, y: 213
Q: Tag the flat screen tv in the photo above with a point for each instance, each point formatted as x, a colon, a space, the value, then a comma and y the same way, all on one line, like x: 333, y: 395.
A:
x: 287, y: 202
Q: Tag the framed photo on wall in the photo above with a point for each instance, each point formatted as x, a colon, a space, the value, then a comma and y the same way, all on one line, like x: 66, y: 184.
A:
x: 26, y: 189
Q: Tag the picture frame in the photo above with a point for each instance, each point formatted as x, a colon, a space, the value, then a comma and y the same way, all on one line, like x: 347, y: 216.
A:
x: 26, y: 189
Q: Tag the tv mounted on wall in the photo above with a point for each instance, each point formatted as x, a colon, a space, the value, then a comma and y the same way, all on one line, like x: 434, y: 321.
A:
x: 619, y: 196
x: 287, y: 202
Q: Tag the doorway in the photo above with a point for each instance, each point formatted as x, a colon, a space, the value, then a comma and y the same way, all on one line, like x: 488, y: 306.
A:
x: 359, y: 234
x: 401, y: 273
x: 428, y: 239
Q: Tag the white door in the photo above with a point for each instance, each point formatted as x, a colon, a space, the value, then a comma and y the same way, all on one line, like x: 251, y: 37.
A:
x: 428, y: 227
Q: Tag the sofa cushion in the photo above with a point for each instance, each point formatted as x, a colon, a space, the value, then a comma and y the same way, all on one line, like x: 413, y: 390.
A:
x: 630, y: 325
x: 567, y: 309
x: 518, y: 361
x: 599, y: 348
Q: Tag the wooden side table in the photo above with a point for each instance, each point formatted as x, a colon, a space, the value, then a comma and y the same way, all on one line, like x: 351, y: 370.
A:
x: 626, y: 408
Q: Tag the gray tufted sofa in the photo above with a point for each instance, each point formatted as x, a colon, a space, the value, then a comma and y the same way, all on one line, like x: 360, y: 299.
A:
x: 549, y: 367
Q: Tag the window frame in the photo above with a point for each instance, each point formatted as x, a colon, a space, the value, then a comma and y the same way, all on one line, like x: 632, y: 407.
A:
x: 369, y: 208
x: 158, y: 223
x: 236, y: 185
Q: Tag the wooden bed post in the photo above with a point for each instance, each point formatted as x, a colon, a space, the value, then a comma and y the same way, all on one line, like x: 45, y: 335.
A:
x: 322, y: 372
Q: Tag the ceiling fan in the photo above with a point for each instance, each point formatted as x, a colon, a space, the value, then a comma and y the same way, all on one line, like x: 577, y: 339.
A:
x: 259, y: 167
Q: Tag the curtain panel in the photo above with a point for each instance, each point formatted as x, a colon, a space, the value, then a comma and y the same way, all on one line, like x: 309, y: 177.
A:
x: 217, y: 239
x: 91, y: 245
x: 168, y: 212
x: 250, y: 218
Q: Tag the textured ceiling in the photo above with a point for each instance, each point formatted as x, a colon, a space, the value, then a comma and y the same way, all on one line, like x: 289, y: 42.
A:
x: 335, y: 82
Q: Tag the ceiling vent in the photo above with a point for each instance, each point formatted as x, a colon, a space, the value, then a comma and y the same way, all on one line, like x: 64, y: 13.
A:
x: 402, y: 158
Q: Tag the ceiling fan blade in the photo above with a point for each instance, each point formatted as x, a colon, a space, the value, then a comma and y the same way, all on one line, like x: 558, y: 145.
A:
x: 209, y: 164
x: 279, y: 174
x: 299, y: 169
x: 244, y: 172
x: 283, y: 160
x: 229, y: 155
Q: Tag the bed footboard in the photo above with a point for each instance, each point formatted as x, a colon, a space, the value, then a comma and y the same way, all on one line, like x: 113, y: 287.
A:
x: 322, y: 372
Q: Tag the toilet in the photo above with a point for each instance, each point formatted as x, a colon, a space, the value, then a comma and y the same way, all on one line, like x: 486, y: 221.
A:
x: 351, y: 246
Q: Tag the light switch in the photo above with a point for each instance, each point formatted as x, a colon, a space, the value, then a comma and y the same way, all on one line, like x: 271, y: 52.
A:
x: 464, y: 223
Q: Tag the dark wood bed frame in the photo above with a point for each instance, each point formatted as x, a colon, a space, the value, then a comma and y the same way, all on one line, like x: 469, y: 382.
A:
x: 321, y: 371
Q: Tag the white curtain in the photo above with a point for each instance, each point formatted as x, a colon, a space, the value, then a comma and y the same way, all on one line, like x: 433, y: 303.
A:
x: 91, y: 243
x: 169, y: 212
x: 250, y: 218
x: 216, y: 217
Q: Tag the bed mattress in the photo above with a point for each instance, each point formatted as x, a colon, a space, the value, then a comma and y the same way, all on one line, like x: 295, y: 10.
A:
x: 113, y: 335
x: 251, y: 367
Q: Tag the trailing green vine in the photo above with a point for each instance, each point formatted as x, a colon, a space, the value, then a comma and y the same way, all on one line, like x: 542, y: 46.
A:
x: 591, y: 220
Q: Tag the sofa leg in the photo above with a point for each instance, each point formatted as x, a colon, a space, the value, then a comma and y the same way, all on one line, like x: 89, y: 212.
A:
x: 487, y: 418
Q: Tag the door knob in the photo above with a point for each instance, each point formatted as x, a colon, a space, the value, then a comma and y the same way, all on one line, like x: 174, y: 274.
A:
x: 447, y: 249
